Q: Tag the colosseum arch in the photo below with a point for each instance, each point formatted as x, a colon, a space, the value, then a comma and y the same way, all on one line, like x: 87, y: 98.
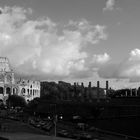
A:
x: 23, y: 91
x: 15, y: 90
x: 8, y: 90
x: 1, y: 90
x: 28, y: 91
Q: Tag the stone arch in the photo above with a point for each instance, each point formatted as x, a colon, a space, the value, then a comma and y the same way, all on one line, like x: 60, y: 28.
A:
x: 28, y: 91
x: 15, y: 90
x: 1, y: 101
x: 23, y: 91
x: 1, y: 90
x: 8, y: 90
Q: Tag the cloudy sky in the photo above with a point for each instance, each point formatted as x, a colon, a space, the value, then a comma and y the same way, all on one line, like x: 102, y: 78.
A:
x: 72, y: 40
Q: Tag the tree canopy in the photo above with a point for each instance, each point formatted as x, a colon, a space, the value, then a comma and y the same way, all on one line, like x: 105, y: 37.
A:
x: 16, y: 101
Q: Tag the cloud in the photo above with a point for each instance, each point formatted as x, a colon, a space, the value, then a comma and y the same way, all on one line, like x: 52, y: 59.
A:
x: 110, y: 70
x: 109, y: 5
x: 134, y: 55
x: 100, y: 58
x: 129, y: 68
x: 92, y: 33
x: 39, y: 48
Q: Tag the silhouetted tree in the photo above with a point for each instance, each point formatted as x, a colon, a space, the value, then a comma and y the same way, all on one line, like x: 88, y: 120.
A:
x: 32, y: 105
x: 16, y: 101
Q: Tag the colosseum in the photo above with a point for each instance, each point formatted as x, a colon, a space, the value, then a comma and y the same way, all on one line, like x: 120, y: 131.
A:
x: 10, y: 86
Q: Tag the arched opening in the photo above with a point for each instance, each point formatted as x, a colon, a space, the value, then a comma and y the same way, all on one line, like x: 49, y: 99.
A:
x: 14, y: 91
x: 31, y: 92
x: 23, y: 91
x: 8, y: 90
x: 28, y: 91
x: 1, y: 90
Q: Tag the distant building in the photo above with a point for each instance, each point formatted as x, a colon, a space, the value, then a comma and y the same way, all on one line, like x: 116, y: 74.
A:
x: 26, y: 88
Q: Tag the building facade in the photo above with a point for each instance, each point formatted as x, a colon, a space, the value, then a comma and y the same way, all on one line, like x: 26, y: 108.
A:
x: 26, y: 88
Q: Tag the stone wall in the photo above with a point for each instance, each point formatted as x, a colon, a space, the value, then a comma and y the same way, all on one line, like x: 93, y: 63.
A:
x: 27, y: 88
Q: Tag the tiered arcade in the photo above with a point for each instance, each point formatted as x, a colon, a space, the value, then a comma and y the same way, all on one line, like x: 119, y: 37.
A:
x: 26, y: 88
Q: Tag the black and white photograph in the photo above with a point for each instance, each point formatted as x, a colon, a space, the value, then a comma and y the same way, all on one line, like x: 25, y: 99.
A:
x: 69, y: 69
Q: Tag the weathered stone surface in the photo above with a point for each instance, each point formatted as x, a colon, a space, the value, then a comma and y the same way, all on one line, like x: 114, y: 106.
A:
x: 27, y: 88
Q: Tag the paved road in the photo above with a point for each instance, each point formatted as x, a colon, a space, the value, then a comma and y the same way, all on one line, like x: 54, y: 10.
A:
x: 29, y: 136
x: 15, y: 130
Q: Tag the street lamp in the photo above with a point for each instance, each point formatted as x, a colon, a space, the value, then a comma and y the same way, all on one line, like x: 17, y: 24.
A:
x: 53, y: 107
x: 55, y: 121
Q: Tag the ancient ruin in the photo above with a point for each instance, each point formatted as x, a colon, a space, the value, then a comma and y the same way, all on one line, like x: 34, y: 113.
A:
x: 10, y: 86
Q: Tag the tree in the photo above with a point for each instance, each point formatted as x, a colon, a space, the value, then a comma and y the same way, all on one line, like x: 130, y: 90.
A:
x: 32, y: 105
x: 16, y: 101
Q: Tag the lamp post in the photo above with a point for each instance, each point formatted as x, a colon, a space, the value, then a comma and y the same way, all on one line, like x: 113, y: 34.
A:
x: 53, y: 108
x: 55, y: 122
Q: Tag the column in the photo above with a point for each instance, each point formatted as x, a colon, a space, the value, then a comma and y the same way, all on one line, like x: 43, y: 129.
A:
x: 89, y: 91
x: 98, y: 90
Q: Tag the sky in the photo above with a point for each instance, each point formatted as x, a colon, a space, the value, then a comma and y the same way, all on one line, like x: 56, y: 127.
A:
x: 72, y: 40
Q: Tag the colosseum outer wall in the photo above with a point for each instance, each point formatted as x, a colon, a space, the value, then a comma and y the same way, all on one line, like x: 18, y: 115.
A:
x: 27, y: 88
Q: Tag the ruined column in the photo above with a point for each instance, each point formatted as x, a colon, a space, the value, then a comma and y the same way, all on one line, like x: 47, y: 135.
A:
x: 135, y: 92
x: 82, y: 89
x: 89, y: 91
x: 98, y: 90
x: 130, y: 92
x: 75, y: 90
x: 107, y: 86
x: 82, y: 84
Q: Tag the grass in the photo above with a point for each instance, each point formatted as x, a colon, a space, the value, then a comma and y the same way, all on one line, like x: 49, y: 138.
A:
x: 15, y: 130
